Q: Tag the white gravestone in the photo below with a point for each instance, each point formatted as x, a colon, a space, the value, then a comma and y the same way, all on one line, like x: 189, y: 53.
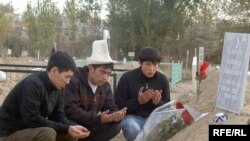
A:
x: 106, y: 35
x: 194, y: 69
x: 201, y: 55
x: 9, y: 52
x: 233, y: 72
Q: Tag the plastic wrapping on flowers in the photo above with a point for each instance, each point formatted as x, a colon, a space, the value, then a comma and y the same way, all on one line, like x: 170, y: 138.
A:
x: 167, y: 120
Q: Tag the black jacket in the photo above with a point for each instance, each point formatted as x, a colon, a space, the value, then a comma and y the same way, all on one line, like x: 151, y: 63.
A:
x: 126, y: 94
x: 33, y: 102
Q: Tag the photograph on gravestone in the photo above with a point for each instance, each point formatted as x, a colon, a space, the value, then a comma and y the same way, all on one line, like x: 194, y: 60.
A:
x: 233, y: 73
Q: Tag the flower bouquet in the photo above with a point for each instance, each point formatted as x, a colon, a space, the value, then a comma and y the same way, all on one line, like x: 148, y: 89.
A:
x: 167, y: 120
x: 201, y: 74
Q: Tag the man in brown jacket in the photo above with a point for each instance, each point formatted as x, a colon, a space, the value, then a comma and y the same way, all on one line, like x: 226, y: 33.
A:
x: 89, y: 100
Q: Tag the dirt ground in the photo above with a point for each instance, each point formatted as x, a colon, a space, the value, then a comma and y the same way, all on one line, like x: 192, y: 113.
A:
x: 182, y: 92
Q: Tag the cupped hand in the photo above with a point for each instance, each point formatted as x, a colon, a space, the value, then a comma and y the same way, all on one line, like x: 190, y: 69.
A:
x: 78, y: 131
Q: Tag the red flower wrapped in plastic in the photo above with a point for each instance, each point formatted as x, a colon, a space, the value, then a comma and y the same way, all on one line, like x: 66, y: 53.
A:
x: 186, y: 116
x: 201, y: 74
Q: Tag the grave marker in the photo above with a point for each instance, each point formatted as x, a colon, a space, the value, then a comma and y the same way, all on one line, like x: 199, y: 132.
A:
x: 233, y: 73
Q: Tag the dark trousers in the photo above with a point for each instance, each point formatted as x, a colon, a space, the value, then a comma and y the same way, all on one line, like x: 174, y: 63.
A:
x: 103, y: 132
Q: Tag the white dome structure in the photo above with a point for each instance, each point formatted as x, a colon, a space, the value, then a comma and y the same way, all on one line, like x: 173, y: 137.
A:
x: 2, y: 76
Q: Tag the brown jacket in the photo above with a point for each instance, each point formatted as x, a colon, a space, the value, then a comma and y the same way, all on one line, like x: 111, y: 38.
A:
x: 82, y: 105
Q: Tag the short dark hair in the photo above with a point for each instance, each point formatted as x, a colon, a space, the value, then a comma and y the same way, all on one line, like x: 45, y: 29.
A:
x: 149, y: 54
x: 62, y: 61
x: 105, y: 66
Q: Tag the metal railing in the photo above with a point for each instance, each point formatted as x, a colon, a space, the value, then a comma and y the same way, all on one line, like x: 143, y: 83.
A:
x: 14, y: 68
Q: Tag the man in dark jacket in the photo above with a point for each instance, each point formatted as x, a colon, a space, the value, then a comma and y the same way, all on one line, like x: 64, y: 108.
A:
x: 141, y: 90
x: 89, y: 100
x: 33, y: 110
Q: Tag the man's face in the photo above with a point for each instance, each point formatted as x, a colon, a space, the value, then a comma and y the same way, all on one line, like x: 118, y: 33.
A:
x: 99, y: 75
x: 60, y: 80
x: 149, y: 68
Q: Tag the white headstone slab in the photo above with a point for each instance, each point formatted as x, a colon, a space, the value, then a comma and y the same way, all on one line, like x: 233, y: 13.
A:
x: 106, y: 35
x: 194, y: 69
x: 233, y: 73
x: 9, y: 51
x: 131, y: 54
x: 201, y: 55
